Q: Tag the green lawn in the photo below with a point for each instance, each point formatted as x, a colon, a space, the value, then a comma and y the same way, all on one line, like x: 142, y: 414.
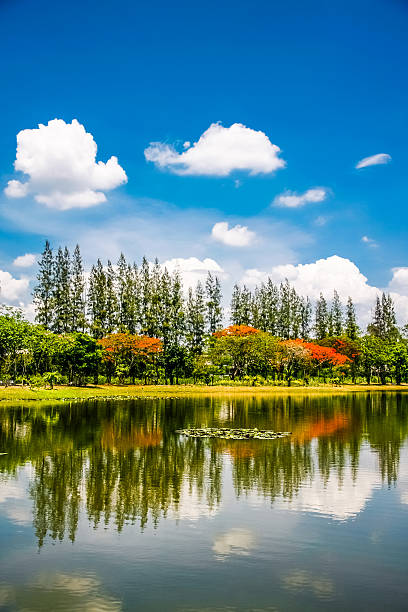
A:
x: 166, y: 391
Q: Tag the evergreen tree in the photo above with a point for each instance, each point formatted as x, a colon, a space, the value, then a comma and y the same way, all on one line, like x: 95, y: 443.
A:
x: 111, y: 300
x: 336, y: 316
x: 122, y: 293
x: 351, y: 327
x: 271, y: 304
x: 390, y: 322
x: 97, y: 301
x: 195, y: 319
x: 43, y: 291
x: 236, y: 306
x: 306, y: 318
x: 77, y: 299
x: 245, y: 306
x: 321, y: 318
x: 213, y: 303
x: 285, y: 319
x: 145, y: 299
x: 62, y: 292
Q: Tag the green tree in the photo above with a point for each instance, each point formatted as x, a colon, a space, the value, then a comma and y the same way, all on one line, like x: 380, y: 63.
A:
x: 97, y: 300
x: 77, y: 297
x: 351, y: 327
x: 61, y: 295
x: 213, y: 303
x: 195, y: 319
x: 44, y: 289
x: 321, y: 316
x: 336, y: 315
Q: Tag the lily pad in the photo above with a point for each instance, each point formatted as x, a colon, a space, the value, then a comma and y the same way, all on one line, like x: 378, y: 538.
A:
x: 233, y: 434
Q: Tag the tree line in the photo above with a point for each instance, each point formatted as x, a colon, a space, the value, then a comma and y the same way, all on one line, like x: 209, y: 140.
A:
x: 128, y: 322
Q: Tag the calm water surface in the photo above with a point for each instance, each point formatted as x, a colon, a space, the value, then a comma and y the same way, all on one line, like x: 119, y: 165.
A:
x: 104, y: 507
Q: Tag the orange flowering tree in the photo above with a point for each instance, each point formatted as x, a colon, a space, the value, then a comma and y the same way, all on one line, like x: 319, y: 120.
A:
x: 127, y: 355
x: 293, y: 358
x: 236, y: 330
x: 241, y: 349
x: 320, y: 357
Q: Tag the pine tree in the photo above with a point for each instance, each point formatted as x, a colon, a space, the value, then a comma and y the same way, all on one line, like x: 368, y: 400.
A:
x: 62, y: 292
x: 390, y: 321
x: 156, y: 306
x: 195, y: 319
x: 336, y: 316
x: 121, y: 292
x: 306, y: 318
x: 321, y: 318
x: 111, y: 300
x: 285, y: 319
x: 272, y: 308
x: 236, y: 306
x: 77, y: 298
x: 43, y: 291
x: 246, y: 300
x: 213, y: 303
x: 145, y: 299
x: 97, y: 300
x: 351, y: 327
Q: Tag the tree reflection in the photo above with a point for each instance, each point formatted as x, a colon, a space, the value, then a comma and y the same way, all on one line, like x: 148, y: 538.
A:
x: 122, y: 462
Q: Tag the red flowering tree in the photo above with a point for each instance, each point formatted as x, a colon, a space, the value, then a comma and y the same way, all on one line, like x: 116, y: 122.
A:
x: 320, y: 357
x: 236, y: 330
x: 127, y: 355
x: 232, y: 350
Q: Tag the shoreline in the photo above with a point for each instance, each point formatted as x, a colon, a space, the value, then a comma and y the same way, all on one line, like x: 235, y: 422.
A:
x: 65, y: 393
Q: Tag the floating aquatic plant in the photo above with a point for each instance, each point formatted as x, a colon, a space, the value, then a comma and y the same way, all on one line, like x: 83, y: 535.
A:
x: 233, y: 434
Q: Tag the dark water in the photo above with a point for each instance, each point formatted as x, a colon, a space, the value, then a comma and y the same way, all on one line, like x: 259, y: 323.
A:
x: 104, y: 507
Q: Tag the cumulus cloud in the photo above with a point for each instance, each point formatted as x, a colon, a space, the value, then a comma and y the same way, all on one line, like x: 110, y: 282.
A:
x: 291, y: 199
x: 193, y: 269
x: 237, y: 236
x: 374, y: 160
x: 219, y: 151
x: 59, y: 160
x: 12, y: 289
x: 325, y: 275
x: 399, y: 280
x: 24, y: 261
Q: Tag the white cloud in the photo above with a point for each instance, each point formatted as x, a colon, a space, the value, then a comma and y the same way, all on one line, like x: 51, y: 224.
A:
x: 325, y: 275
x: 219, y: 151
x: 399, y: 281
x: 291, y: 199
x: 374, y: 160
x: 369, y: 241
x: 60, y: 161
x: 16, y: 189
x: 12, y: 289
x: 237, y: 236
x: 238, y: 542
x: 24, y: 261
x: 193, y: 269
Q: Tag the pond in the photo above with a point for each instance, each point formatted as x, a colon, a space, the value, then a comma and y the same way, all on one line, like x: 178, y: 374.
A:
x: 104, y: 506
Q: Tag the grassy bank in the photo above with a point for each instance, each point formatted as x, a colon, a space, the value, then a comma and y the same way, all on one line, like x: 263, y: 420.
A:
x: 162, y: 391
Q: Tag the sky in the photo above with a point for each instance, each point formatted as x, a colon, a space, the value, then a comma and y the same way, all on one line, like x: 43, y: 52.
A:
x: 250, y: 139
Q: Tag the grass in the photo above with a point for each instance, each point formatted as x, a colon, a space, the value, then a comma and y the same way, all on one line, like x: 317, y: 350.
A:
x: 174, y: 391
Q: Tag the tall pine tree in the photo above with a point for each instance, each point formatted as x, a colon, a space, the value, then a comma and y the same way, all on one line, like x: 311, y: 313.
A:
x: 44, y: 289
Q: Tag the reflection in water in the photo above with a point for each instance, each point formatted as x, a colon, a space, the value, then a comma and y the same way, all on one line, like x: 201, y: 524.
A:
x: 302, y: 580
x: 122, y: 462
x: 233, y: 542
x: 56, y: 591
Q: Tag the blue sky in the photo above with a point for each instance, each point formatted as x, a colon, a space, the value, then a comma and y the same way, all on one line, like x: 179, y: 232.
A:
x: 324, y: 82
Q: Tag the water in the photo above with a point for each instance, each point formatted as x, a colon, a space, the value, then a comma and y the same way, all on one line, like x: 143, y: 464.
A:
x: 104, y: 507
